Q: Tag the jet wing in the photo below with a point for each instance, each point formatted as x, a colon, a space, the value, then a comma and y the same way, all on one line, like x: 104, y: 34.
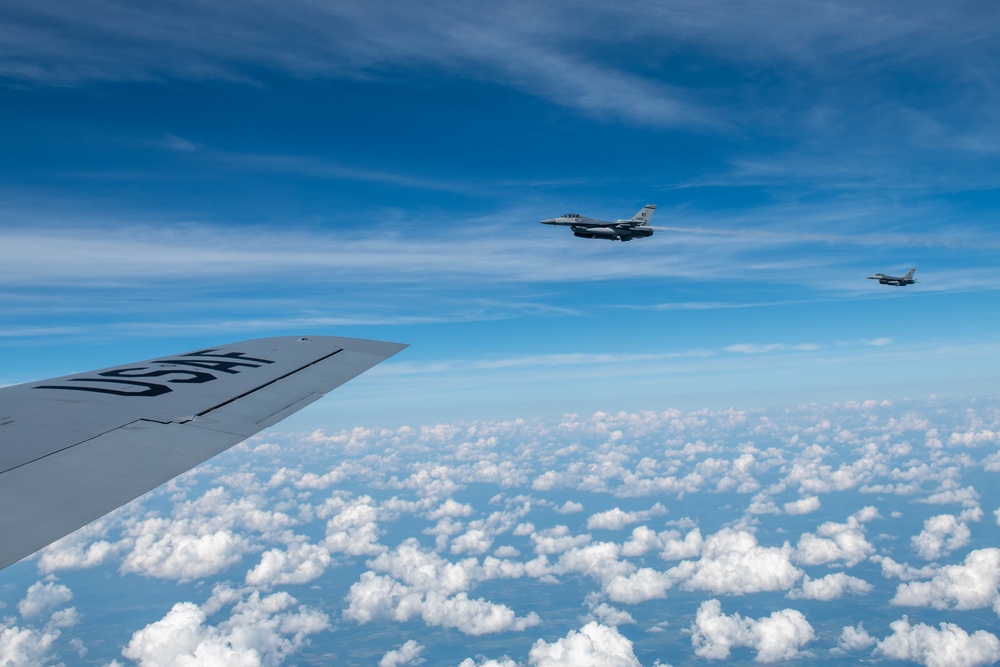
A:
x: 74, y: 448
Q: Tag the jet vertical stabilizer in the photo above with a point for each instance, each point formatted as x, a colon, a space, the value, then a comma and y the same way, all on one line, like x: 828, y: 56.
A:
x: 644, y: 216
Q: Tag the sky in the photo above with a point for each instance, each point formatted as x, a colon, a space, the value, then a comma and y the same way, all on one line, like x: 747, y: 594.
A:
x: 197, y: 174
x: 178, y: 176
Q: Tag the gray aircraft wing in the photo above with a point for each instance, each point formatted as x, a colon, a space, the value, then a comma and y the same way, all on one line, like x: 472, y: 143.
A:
x: 74, y: 448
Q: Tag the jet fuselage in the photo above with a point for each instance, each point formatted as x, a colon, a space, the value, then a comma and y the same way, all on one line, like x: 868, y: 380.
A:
x: 897, y: 281
x: 619, y: 230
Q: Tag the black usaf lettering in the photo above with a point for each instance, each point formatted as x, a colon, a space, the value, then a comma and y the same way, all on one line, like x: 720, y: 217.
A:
x: 209, y: 360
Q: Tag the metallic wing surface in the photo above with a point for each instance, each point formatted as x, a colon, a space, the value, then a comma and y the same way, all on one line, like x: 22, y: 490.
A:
x: 620, y: 230
x: 74, y: 448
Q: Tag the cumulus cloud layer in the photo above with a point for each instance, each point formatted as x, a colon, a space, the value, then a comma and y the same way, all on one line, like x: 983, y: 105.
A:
x: 945, y: 646
x: 780, y: 636
x: 469, y: 529
x: 594, y: 645
x: 733, y: 562
x: 33, y: 638
x: 972, y: 585
x: 260, y: 630
x: 420, y: 584
x: 941, y: 535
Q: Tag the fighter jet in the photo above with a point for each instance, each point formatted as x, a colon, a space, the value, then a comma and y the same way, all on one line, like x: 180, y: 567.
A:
x: 898, y: 281
x: 621, y: 230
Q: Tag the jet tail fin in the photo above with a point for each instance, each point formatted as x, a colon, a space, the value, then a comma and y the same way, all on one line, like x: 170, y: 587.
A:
x: 909, y: 274
x: 645, y: 215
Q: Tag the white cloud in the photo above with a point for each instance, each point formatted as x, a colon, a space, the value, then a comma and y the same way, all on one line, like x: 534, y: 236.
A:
x: 941, y: 535
x: 183, y: 549
x: 600, y: 561
x: 854, y: 638
x: 407, y: 654
x: 879, y: 342
x: 299, y: 563
x: 973, y: 438
x: 426, y: 570
x: 71, y: 554
x: 605, y: 614
x: 202, y: 538
x: 952, y: 493
x: 992, y: 462
x: 452, y: 508
x: 830, y: 587
x: 644, y: 584
x: 64, y: 618
x: 488, y: 662
x: 259, y: 631
x: 527, y: 528
x: 86, y: 547
x: 670, y: 544
x: 836, y: 542
x: 594, y: 645
x: 972, y: 585
x: 354, y: 529
x: 866, y: 514
x: 616, y: 519
x: 42, y: 597
x: 903, y: 571
x: 644, y: 539
x: 557, y: 539
x: 732, y: 562
x: 438, y: 581
x: 421, y: 584
x: 506, y: 551
x: 473, y: 541
x: 971, y: 515
x: 753, y: 348
x: 34, y: 642
x: 780, y: 636
x: 380, y: 597
x: 569, y: 507
x: 679, y: 549
x: 813, y: 476
x: 803, y: 505
x: 945, y: 646
x: 26, y: 647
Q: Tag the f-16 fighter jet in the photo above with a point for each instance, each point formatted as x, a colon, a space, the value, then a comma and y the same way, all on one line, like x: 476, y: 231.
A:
x: 620, y: 230
x: 898, y: 281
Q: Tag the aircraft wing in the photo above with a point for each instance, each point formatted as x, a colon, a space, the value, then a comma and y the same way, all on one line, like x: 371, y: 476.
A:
x: 74, y: 448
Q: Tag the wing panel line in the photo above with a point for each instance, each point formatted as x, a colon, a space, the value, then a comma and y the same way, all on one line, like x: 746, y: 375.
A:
x: 266, y: 384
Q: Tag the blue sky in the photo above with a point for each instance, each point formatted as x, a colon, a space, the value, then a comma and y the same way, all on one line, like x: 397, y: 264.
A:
x: 200, y: 174
x: 715, y: 444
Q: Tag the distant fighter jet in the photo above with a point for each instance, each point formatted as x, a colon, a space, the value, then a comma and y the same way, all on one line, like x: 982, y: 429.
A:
x: 898, y: 281
x: 622, y: 230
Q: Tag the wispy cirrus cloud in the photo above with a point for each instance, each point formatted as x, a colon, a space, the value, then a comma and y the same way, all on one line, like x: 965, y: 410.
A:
x: 543, y: 50
x: 493, y: 249
x: 756, y: 348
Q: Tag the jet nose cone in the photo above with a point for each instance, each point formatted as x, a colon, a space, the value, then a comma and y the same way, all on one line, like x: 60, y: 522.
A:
x: 550, y: 221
